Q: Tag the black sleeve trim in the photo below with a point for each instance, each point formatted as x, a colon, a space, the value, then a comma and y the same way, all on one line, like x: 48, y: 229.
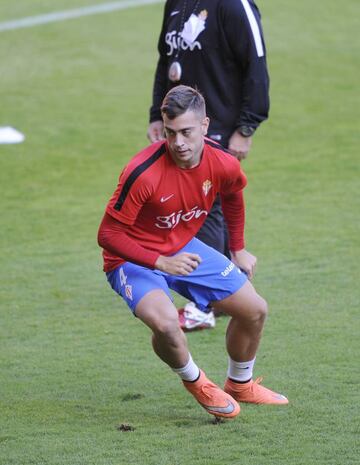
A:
x: 215, y: 145
x: 135, y: 174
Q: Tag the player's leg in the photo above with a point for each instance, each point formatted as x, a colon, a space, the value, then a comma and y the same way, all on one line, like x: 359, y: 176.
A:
x: 169, y: 342
x: 219, y: 283
x: 248, y: 311
x: 147, y: 294
x: 157, y: 311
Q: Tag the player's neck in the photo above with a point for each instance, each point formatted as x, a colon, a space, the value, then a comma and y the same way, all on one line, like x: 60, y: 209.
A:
x: 189, y: 163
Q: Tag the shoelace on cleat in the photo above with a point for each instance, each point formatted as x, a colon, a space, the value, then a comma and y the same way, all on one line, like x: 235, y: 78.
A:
x: 206, y: 389
x: 258, y: 380
x: 255, y: 383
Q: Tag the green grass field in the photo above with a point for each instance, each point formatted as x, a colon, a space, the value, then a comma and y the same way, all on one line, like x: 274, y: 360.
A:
x: 74, y: 364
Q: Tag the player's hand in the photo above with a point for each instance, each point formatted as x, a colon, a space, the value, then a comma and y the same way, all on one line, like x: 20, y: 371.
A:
x: 156, y: 131
x: 182, y: 264
x: 245, y: 261
x: 239, y: 145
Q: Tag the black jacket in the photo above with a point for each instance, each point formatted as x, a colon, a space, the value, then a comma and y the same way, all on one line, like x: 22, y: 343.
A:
x: 226, y: 63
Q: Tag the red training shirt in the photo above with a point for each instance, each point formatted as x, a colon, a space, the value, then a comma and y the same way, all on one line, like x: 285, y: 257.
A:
x: 161, y: 207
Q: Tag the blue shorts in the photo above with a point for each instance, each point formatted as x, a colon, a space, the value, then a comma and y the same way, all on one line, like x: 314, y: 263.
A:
x: 214, y: 279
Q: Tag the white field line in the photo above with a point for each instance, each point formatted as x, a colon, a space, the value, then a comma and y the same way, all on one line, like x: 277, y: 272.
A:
x: 31, y: 21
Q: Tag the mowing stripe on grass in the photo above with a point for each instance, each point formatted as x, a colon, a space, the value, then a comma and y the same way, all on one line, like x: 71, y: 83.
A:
x: 31, y: 21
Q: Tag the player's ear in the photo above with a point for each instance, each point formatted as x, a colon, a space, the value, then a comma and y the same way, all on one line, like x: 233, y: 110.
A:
x: 205, y: 125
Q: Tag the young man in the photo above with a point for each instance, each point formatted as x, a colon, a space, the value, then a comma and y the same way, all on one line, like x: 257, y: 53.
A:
x: 148, y: 236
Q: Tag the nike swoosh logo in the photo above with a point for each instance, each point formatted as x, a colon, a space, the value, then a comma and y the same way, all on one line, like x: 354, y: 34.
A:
x: 280, y: 397
x: 164, y: 199
x: 173, y: 13
x: 228, y: 409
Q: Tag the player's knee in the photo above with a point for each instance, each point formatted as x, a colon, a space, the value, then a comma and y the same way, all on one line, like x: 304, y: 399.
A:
x: 257, y: 312
x: 167, y: 327
x: 261, y: 310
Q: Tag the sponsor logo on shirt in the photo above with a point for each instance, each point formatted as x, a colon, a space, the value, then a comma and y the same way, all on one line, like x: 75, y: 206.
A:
x: 172, y: 220
x: 175, y: 42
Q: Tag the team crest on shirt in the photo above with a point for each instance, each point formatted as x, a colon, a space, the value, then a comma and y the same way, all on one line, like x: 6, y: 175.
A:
x: 207, y: 185
x: 203, y: 15
x: 128, y: 291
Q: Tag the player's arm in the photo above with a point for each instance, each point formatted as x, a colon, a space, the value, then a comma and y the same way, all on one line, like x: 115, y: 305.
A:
x: 181, y: 264
x: 234, y: 213
x: 113, y: 237
x: 233, y: 206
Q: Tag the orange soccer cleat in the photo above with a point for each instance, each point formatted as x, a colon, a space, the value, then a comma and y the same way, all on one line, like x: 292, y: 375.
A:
x: 252, y: 392
x: 212, y: 398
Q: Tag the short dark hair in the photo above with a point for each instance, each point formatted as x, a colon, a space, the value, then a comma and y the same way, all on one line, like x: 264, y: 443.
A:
x: 181, y: 99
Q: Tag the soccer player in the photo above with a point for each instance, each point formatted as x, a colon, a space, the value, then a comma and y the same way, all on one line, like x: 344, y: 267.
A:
x: 149, y: 247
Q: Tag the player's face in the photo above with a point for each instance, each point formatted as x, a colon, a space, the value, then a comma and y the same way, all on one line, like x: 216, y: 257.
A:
x: 185, y: 136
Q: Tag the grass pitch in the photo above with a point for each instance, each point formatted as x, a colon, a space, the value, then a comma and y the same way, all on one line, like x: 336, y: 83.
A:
x: 75, y: 366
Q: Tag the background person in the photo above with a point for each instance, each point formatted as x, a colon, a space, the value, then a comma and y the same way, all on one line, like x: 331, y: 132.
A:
x: 218, y: 47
